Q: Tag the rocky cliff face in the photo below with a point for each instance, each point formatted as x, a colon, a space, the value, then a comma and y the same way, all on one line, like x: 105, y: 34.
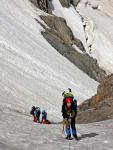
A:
x: 67, y: 3
x: 59, y: 25
x: 98, y: 19
x: 44, y: 5
x: 61, y: 37
x: 100, y: 106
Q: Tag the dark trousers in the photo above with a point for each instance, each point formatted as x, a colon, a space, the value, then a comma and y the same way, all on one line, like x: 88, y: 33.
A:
x: 38, y: 117
x: 74, y: 131
x: 71, y: 126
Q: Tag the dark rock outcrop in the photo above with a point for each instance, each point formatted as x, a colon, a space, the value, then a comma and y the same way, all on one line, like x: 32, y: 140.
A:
x: 100, y: 106
x: 44, y: 5
x: 82, y: 61
x: 67, y: 3
x: 59, y: 25
x: 61, y: 38
x: 74, y: 2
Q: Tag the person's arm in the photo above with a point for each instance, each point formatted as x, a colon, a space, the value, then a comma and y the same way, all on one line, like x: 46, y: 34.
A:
x: 63, y: 110
x: 75, y: 107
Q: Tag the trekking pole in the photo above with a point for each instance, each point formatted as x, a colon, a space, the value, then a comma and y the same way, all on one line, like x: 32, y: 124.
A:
x: 63, y: 128
x: 68, y: 138
x: 75, y: 146
x: 69, y: 144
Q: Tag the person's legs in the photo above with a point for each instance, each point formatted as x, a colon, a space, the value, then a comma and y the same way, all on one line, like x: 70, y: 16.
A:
x: 38, y: 119
x: 68, y: 130
x: 74, y: 131
x: 38, y: 116
x: 42, y: 120
x: 35, y: 118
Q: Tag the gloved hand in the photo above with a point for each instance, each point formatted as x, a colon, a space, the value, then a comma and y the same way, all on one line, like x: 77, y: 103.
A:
x: 65, y: 121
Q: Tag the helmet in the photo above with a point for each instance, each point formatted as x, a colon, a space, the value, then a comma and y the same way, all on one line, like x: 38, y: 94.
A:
x: 68, y: 100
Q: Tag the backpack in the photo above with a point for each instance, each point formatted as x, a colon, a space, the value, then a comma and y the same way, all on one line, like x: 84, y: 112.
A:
x: 32, y: 110
x: 37, y: 112
x: 75, y: 104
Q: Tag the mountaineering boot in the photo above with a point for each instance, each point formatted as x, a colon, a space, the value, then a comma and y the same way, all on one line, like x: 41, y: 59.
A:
x: 68, y: 137
x: 76, y: 137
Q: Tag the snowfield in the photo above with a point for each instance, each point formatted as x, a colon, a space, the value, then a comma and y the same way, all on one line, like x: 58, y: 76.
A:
x: 20, y: 133
x: 31, y: 71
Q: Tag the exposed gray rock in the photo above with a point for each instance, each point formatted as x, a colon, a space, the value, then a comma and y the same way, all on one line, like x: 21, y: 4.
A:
x: 82, y: 61
x: 61, y: 38
x: 59, y: 25
x: 74, y: 2
x: 95, y: 6
x: 100, y: 106
x: 65, y: 3
x: 35, y: 3
x: 44, y: 5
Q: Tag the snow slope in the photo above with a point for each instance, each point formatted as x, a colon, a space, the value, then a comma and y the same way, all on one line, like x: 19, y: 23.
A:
x: 99, y: 30
x: 26, y: 135
x: 31, y: 71
x: 73, y: 20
